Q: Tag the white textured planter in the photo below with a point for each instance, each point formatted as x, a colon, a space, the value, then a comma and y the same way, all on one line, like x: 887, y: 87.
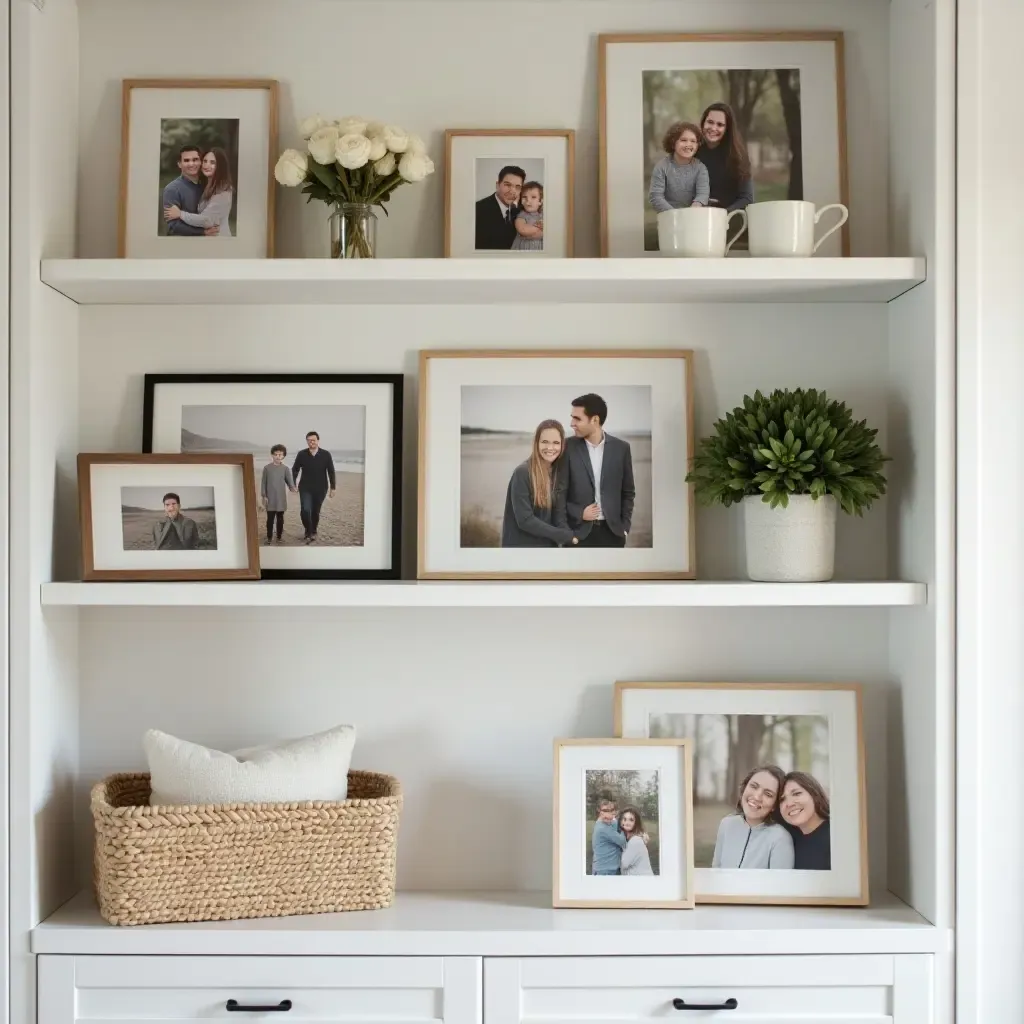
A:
x: 791, y: 545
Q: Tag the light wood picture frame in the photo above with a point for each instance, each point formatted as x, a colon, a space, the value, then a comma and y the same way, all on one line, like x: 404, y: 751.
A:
x: 475, y: 159
x: 811, y: 738
x: 622, y: 824
x: 803, y: 90
x: 479, y: 412
x: 237, y: 118
x: 127, y: 499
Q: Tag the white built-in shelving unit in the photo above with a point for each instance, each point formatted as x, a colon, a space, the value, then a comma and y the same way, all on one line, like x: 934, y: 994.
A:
x: 459, y: 688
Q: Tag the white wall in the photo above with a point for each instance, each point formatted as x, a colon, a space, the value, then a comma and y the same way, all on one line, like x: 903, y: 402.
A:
x: 431, y: 66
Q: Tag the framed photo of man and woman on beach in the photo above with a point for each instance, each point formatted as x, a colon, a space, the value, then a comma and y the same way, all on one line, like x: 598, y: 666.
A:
x: 623, y: 823
x: 197, y: 159
x: 565, y: 464
x: 326, y: 452
x: 721, y: 121
x: 778, y: 785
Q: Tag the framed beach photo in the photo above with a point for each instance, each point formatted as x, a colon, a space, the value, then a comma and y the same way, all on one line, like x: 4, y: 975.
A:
x: 167, y: 517
x: 508, y: 192
x: 723, y: 120
x: 197, y: 160
x: 555, y: 464
x: 326, y: 457
x: 778, y: 785
x: 623, y: 823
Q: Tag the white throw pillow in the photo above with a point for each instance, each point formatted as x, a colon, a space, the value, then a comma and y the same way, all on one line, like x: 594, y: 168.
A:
x: 309, y: 768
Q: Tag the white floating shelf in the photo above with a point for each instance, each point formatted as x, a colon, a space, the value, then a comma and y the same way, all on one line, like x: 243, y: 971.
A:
x: 411, y: 594
x: 472, y: 281
x: 506, y: 924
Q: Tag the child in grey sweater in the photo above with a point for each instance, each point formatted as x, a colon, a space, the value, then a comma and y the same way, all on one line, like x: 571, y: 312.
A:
x: 277, y: 481
x: 680, y: 179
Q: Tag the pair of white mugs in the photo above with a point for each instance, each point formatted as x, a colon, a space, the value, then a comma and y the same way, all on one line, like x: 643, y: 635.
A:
x: 783, y: 227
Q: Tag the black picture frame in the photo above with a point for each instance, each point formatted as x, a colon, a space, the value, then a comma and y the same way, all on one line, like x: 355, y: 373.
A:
x: 152, y: 381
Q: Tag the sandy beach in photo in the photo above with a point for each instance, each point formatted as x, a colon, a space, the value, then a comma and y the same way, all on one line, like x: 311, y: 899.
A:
x: 137, y: 527
x: 341, y: 517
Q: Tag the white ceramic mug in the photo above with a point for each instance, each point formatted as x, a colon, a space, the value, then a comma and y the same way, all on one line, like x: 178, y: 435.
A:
x: 785, y: 227
x: 697, y: 231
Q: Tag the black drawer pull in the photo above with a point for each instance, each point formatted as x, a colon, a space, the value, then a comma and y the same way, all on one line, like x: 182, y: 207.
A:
x: 682, y: 1004
x: 234, y: 1006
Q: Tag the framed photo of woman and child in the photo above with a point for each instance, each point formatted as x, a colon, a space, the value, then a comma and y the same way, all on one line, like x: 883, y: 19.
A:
x: 197, y: 158
x: 508, y: 192
x: 326, y: 458
x: 623, y: 823
x: 565, y: 464
x: 721, y: 120
x: 778, y: 785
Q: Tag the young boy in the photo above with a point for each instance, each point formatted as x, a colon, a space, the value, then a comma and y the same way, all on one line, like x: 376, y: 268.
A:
x: 277, y: 481
x: 607, y: 841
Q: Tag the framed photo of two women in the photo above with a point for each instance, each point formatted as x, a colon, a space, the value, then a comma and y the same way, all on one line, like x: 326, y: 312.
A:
x: 563, y: 464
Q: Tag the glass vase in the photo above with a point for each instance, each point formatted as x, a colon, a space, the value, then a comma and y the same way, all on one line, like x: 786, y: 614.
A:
x: 353, y: 232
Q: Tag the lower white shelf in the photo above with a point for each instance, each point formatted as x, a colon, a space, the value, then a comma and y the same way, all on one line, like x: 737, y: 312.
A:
x: 477, y: 594
x: 507, y: 924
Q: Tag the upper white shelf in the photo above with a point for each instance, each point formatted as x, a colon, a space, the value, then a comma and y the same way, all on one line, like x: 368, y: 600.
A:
x: 473, y: 281
x: 506, y: 924
x: 476, y: 594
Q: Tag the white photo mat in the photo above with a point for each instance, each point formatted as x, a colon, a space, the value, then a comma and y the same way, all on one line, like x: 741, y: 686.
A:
x: 848, y: 814
x: 106, y: 481
x: 462, y: 195
x: 441, y: 465
x: 378, y: 401
x: 148, y: 106
x: 671, y: 763
x: 622, y: 144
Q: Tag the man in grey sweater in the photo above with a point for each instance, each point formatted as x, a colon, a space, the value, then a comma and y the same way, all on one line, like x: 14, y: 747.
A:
x: 185, y: 192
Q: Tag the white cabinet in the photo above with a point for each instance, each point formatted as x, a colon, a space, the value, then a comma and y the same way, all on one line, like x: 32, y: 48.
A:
x: 401, y: 990
x: 763, y: 989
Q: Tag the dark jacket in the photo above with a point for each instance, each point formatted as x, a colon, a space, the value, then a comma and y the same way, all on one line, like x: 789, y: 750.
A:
x: 185, y: 195
x: 317, y: 471
x: 617, y: 489
x: 726, y: 191
x: 812, y: 852
x: 524, y: 524
x: 492, y: 232
x: 167, y: 538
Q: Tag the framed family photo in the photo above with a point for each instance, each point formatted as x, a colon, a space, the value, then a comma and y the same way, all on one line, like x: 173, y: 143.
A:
x: 509, y: 192
x: 749, y: 118
x: 167, y: 517
x: 325, y: 456
x: 555, y: 464
x: 197, y: 159
x: 778, y: 785
x: 623, y: 823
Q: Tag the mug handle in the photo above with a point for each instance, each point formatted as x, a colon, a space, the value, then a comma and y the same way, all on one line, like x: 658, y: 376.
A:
x: 743, y: 227
x: 844, y: 217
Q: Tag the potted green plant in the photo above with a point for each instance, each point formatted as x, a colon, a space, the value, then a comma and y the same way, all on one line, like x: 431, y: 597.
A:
x: 792, y: 459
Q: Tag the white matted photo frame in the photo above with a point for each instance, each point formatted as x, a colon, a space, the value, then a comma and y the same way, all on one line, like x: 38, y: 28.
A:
x: 508, y: 192
x: 769, y: 111
x: 509, y: 441
x: 779, y: 798
x: 197, y: 159
x: 623, y: 823
x: 167, y: 517
x: 326, y: 455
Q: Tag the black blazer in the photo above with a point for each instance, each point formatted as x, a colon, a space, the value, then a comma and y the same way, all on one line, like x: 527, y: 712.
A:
x: 491, y: 230
x: 526, y: 525
x: 617, y: 489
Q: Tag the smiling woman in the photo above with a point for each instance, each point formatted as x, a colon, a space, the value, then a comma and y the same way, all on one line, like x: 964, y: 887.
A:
x: 806, y: 814
x: 752, y: 838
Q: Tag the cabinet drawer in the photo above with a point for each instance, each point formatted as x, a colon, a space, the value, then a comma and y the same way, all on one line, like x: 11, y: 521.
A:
x: 403, y: 990
x: 735, y: 990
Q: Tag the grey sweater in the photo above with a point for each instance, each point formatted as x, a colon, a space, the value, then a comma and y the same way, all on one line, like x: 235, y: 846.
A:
x: 185, y: 195
x: 674, y: 185
x: 740, y: 846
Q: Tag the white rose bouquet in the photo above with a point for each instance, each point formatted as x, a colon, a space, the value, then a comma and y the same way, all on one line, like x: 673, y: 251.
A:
x: 353, y: 165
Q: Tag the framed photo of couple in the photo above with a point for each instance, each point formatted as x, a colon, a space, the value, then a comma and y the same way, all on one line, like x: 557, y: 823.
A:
x: 778, y: 785
x: 555, y: 464
x: 197, y: 159
x: 721, y: 120
x: 623, y: 823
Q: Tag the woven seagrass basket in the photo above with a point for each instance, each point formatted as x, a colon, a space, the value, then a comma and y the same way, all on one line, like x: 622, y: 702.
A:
x: 228, y: 861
